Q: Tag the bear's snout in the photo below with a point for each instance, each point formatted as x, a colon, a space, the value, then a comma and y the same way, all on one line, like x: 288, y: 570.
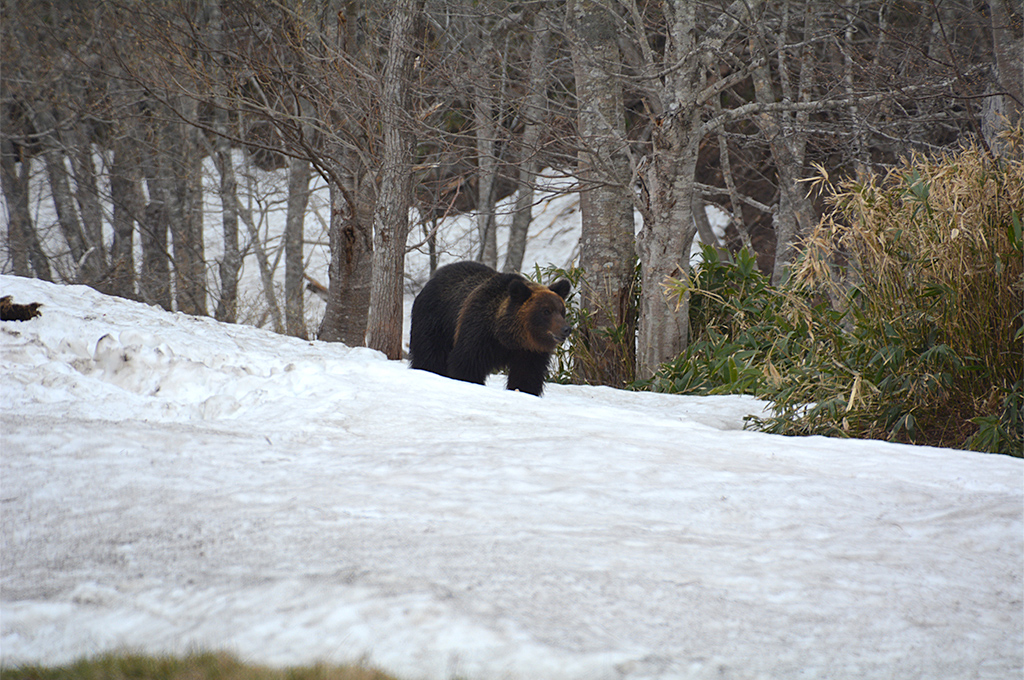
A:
x: 564, y: 333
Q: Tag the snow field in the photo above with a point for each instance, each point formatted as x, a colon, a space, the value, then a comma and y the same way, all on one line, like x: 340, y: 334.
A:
x: 171, y: 483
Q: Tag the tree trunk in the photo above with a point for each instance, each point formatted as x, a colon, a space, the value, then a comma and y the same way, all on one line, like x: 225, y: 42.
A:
x: 1004, y: 111
x: 86, y: 262
x: 230, y: 264
x: 87, y: 197
x: 352, y: 190
x: 795, y: 215
x: 487, y: 163
x: 606, y: 244
x: 736, y: 205
x: 294, y: 240
x: 63, y: 204
x: 704, y: 229
x: 391, y: 216
x: 266, y: 268
x: 351, y: 243
x: 155, y: 272
x: 127, y: 205
x: 19, y: 225
x: 664, y: 242
x: 859, y: 140
x: 186, y: 214
x: 528, y: 165
x: 155, y: 275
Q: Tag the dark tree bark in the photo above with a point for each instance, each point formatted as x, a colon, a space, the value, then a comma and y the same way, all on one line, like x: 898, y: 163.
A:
x: 795, y: 217
x: 351, y: 242
x: 182, y: 149
x: 352, y: 191
x: 127, y: 206
x: 1004, y: 111
x: 86, y: 266
x: 15, y: 188
x: 86, y: 193
x: 230, y: 264
x: 155, y: 271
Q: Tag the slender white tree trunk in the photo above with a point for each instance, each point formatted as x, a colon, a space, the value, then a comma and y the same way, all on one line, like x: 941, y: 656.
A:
x: 487, y: 162
x: 528, y: 166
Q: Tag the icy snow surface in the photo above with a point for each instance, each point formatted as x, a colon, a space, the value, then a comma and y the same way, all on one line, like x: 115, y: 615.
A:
x: 172, y: 483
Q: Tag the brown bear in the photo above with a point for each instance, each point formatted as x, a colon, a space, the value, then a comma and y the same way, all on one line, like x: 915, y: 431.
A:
x: 469, y: 321
x: 12, y: 311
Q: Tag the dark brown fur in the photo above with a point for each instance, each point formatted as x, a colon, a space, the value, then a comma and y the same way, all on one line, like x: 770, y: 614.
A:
x: 470, y: 320
x: 11, y: 311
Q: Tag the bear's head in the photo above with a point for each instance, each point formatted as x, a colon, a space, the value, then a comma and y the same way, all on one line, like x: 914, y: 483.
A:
x: 540, y: 313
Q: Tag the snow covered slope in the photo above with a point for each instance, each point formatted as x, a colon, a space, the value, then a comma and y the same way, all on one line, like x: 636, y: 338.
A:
x: 169, y: 482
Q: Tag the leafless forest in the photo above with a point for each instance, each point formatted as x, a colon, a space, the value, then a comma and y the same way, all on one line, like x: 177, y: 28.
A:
x: 447, y: 107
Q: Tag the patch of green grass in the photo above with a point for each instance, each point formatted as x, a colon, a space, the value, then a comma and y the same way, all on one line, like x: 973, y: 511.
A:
x: 199, y: 666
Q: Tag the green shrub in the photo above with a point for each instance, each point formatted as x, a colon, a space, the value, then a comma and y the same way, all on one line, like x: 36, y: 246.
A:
x: 561, y: 370
x: 735, y: 338
x: 901, y: 321
x: 577, y: 360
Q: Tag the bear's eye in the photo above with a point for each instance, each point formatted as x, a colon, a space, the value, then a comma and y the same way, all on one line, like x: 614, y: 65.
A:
x: 547, y: 312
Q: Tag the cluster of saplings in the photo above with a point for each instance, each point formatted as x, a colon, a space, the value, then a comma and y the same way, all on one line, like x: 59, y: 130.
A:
x: 903, y: 320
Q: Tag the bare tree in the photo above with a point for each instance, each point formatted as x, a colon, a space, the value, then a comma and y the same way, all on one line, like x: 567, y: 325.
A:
x: 795, y: 216
x: 485, y: 109
x: 606, y: 243
x: 1004, y: 109
x: 529, y: 161
x: 391, y: 216
x: 184, y: 157
x: 294, y: 238
x: 19, y: 220
x: 351, y: 244
x: 155, y: 271
x: 346, y: 50
x: 230, y: 264
x: 678, y: 90
x: 26, y: 254
x: 127, y: 204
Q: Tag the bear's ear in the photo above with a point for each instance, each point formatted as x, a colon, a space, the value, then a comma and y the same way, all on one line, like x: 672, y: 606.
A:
x: 562, y: 288
x: 519, y: 291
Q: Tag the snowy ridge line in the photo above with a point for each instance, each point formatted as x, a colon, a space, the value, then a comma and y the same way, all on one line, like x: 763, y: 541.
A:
x: 172, y: 483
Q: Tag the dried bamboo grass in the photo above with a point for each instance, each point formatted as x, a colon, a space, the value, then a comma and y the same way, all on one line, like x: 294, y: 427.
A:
x: 902, y: 320
x: 934, y: 244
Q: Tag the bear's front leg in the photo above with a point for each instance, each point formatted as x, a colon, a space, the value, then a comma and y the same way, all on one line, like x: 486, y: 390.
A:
x: 526, y: 371
x: 470, y: 363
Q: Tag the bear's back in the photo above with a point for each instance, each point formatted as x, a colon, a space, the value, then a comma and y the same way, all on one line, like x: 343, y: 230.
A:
x: 435, y: 312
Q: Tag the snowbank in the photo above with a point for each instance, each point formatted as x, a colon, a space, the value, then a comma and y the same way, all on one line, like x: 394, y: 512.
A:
x: 170, y: 482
